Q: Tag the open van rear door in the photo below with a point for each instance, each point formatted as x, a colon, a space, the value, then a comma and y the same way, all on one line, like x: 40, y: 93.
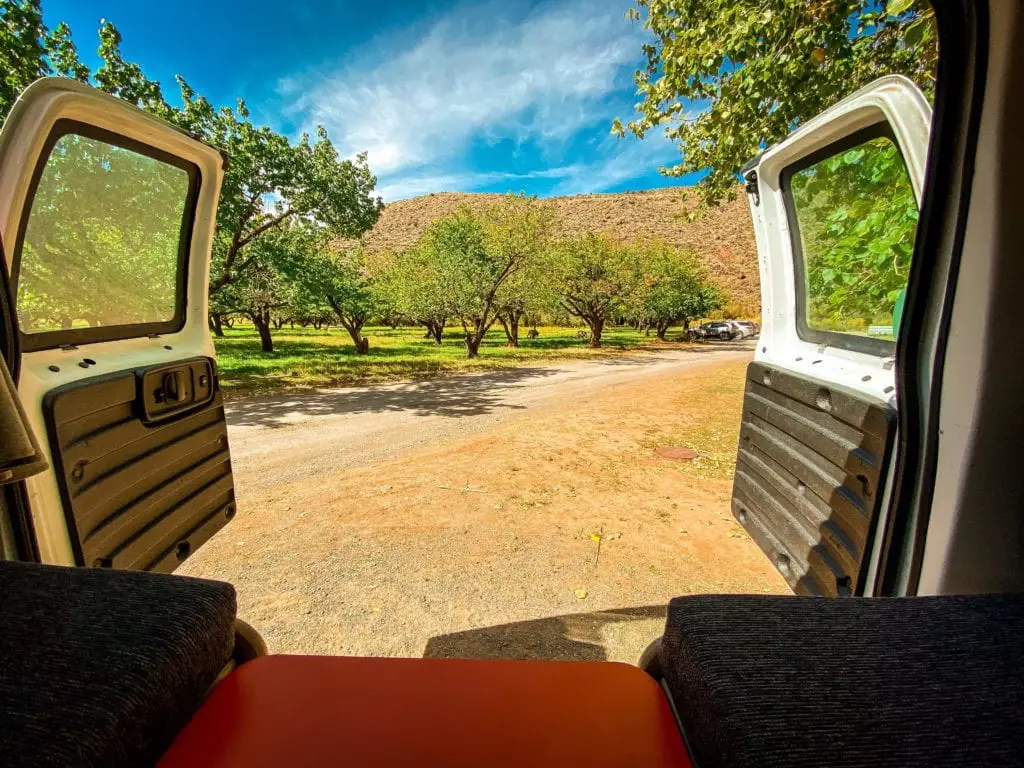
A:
x: 107, y: 217
x: 835, y: 210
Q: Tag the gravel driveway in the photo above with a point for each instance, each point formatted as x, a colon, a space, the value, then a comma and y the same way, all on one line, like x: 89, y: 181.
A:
x: 516, y: 513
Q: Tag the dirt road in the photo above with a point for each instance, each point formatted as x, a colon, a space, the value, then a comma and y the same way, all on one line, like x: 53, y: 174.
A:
x: 286, y: 438
x: 516, y: 513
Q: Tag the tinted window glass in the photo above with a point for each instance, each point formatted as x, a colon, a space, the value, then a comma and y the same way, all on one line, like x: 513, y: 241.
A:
x: 101, y: 245
x: 856, y: 217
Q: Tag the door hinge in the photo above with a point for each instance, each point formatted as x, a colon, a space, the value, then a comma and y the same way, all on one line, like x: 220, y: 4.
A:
x: 751, y: 186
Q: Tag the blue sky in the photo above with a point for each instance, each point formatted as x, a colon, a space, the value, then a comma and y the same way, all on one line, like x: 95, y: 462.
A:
x: 444, y: 96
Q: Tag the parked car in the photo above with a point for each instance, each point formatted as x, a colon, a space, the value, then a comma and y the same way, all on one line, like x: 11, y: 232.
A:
x: 719, y: 330
x: 738, y: 331
x: 749, y: 328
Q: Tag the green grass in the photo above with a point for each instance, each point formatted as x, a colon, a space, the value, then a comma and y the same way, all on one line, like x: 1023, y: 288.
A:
x: 305, y: 358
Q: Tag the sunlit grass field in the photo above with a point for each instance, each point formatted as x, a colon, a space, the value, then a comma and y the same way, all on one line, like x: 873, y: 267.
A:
x: 305, y: 358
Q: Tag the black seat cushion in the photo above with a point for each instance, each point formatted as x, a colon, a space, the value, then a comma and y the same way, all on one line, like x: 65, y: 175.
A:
x: 104, y: 667
x: 785, y: 681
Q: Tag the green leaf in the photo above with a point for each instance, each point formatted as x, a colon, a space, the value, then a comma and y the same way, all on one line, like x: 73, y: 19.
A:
x: 853, y: 157
x: 896, y: 7
x: 915, y: 33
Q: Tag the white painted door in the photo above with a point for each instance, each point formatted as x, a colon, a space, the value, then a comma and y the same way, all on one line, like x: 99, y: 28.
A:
x: 107, y: 217
x: 835, y: 213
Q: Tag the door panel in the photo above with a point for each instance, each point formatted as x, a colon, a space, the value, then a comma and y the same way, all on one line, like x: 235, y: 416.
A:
x: 835, y: 211
x: 139, y: 495
x: 109, y: 215
x: 811, y: 455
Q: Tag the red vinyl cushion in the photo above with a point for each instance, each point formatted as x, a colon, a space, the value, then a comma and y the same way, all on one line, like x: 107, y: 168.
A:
x: 322, y: 710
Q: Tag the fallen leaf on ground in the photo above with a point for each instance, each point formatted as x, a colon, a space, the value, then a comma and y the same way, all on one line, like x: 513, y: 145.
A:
x: 581, y: 594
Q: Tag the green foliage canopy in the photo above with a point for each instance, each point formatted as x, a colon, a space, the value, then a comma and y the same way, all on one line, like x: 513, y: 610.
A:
x: 592, y: 277
x: 725, y: 78
x: 476, y: 267
x: 269, y: 180
x: 673, y: 287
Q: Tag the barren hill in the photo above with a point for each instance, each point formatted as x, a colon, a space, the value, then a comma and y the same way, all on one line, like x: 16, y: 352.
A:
x: 723, y: 237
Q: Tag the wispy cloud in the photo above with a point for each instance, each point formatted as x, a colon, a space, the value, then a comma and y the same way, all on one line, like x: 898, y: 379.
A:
x: 617, y: 162
x: 482, y: 73
x: 404, y: 186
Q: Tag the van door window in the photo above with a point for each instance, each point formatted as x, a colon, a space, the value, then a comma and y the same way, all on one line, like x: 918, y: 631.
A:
x: 105, y: 242
x: 853, y: 217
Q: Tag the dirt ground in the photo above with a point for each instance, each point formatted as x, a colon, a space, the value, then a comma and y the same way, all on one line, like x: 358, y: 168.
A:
x: 548, y: 531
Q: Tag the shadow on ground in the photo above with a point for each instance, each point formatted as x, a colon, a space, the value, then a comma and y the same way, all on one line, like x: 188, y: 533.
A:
x: 453, y: 396
x: 465, y: 394
x: 572, y: 637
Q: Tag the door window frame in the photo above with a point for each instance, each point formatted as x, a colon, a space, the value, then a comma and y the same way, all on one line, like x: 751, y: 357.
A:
x: 849, y: 341
x: 32, y: 342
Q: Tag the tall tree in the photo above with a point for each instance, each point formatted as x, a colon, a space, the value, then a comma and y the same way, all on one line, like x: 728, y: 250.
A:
x: 269, y: 285
x: 592, y: 278
x: 475, y: 255
x: 673, y: 289
x: 268, y: 180
x: 28, y: 51
x: 410, y: 282
x: 518, y: 230
x: 728, y: 77
x: 344, y: 281
x: 469, y: 278
x: 23, y: 43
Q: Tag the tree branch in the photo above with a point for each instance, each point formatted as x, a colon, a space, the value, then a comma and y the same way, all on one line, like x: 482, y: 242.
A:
x: 270, y: 224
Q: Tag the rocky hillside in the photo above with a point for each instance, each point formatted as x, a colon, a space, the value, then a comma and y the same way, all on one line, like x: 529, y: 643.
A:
x: 723, y: 236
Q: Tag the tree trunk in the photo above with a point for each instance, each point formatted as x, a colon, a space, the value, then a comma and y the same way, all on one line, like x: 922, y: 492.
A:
x: 217, y: 325
x: 353, y: 324
x: 355, y: 331
x: 435, y: 329
x: 662, y: 327
x: 475, y: 332
x: 510, y: 323
x: 596, y: 326
x: 261, y: 319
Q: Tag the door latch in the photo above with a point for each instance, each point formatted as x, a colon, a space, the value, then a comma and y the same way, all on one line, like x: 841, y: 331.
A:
x: 172, y: 388
x: 751, y: 186
x: 169, y: 390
